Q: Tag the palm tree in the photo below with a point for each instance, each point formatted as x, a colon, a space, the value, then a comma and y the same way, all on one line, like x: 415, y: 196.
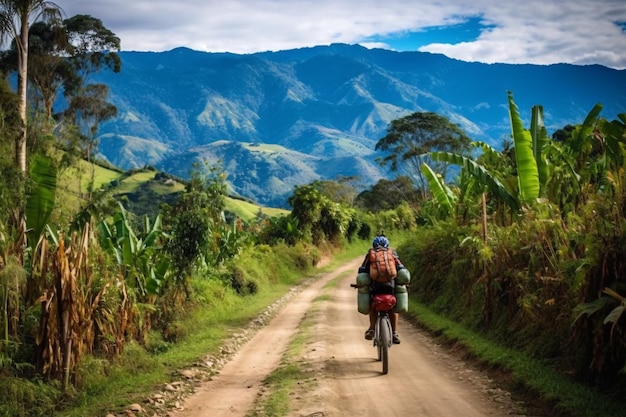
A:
x: 15, y: 19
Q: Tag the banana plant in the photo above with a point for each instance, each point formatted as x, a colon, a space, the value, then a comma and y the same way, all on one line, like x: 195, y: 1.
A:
x: 582, y: 136
x: 482, y: 174
x: 143, y: 264
x: 444, y: 196
x: 531, y: 163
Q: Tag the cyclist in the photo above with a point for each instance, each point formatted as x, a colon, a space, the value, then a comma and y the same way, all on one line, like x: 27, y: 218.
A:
x: 382, y: 288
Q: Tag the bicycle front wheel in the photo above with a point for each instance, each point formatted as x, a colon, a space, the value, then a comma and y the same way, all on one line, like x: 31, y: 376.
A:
x: 384, y: 342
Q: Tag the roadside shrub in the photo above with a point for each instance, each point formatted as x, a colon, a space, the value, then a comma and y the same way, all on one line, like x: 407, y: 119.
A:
x: 314, y: 255
x: 25, y: 398
x: 281, y: 229
x: 241, y: 284
x: 155, y: 342
x: 354, y: 225
x: 299, y: 257
x: 365, y: 231
x: 174, y: 332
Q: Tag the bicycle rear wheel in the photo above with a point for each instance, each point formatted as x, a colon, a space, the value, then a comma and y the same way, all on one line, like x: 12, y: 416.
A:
x: 384, y: 342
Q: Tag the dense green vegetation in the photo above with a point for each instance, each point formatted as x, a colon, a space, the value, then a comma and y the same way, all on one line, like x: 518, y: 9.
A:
x: 110, y: 279
x: 526, y: 248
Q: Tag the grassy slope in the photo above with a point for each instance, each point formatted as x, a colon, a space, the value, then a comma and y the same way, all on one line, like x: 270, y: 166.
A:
x: 249, y: 211
x: 69, y: 189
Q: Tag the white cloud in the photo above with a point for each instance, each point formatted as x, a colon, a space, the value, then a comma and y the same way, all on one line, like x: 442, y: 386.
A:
x: 532, y: 31
x: 540, y: 32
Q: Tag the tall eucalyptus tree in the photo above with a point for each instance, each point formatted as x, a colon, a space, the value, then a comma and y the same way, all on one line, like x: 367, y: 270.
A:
x: 16, y: 17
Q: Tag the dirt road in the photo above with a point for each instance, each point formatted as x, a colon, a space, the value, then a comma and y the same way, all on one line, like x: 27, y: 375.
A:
x: 423, y: 379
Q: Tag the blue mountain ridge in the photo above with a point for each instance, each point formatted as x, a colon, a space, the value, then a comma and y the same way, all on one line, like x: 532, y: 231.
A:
x: 280, y: 119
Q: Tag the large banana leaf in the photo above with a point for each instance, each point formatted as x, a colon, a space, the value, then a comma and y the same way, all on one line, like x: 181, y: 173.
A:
x: 444, y: 196
x: 153, y: 231
x: 590, y: 121
x: 481, y: 174
x: 41, y: 200
x: 540, y: 140
x: 126, y: 240
x: 108, y: 241
x: 527, y: 172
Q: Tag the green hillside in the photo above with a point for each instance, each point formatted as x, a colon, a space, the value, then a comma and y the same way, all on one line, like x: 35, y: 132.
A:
x: 248, y: 211
x: 142, y: 190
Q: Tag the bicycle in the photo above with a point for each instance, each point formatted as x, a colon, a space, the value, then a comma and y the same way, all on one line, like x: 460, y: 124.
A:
x: 383, y: 304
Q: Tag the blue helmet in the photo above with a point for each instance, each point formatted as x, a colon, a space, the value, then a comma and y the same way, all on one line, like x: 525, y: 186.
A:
x: 380, y: 242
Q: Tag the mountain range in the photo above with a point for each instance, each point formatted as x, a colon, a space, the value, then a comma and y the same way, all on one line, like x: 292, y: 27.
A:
x: 275, y: 120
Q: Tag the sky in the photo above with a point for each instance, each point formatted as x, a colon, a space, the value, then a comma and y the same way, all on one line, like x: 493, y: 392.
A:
x: 541, y: 32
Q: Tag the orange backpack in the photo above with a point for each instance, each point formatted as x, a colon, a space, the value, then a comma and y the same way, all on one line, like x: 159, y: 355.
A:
x: 382, y: 264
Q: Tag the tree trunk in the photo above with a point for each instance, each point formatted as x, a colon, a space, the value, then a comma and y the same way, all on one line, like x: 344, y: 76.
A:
x: 20, y: 140
x: 22, y: 81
